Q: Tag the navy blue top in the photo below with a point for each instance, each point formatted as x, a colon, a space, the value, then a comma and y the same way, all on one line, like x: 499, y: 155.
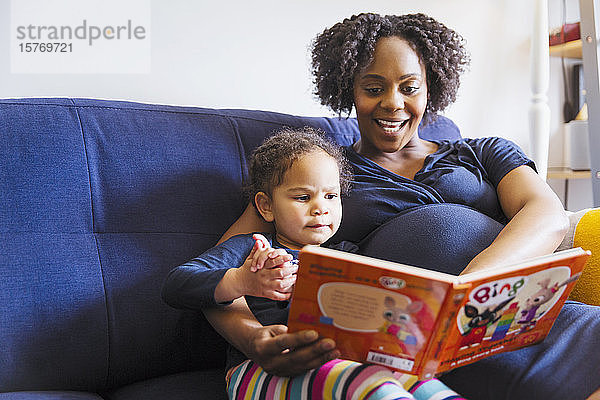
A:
x: 465, y: 171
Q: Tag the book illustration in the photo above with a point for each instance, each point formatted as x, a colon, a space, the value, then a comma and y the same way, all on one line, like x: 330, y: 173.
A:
x: 476, y: 328
x: 546, y: 293
x: 397, y: 320
x: 508, y: 307
x: 508, y: 316
x: 400, y: 322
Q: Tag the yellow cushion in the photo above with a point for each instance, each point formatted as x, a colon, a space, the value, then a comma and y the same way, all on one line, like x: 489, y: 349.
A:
x: 587, y: 236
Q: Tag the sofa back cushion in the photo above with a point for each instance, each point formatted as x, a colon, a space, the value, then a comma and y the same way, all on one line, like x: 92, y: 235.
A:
x: 100, y: 199
x: 53, y: 326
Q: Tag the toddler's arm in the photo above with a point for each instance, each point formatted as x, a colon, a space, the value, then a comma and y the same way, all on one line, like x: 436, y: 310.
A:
x: 193, y: 284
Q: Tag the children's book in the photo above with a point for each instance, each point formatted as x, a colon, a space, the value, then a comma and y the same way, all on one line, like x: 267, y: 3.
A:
x: 424, y: 322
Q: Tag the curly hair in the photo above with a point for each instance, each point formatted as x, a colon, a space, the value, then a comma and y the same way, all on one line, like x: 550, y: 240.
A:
x: 343, y: 50
x: 276, y: 155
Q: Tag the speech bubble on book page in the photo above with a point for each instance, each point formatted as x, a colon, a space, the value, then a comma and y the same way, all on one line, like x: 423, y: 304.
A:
x: 360, y: 308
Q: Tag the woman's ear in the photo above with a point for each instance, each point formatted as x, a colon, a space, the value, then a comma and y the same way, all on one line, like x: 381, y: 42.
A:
x: 264, y: 205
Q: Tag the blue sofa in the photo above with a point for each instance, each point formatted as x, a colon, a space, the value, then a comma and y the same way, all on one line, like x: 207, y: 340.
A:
x: 99, y: 200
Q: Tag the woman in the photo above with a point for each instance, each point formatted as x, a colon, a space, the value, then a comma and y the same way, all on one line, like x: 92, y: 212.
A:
x: 397, y: 71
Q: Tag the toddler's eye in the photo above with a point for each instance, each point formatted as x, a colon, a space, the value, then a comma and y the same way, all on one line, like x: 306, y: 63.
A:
x: 304, y: 197
x: 331, y: 196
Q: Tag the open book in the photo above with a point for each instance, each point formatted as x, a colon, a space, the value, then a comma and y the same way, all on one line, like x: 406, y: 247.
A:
x: 424, y: 322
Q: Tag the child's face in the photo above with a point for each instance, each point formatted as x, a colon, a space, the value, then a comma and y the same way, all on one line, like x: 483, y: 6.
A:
x: 306, y: 207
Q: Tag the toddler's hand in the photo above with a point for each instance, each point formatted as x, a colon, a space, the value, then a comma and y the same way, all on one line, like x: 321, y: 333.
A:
x: 268, y: 272
x: 264, y: 256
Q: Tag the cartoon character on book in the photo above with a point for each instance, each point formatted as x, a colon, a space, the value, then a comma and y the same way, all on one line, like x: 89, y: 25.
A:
x: 400, y: 322
x: 479, y: 322
x: 530, y: 315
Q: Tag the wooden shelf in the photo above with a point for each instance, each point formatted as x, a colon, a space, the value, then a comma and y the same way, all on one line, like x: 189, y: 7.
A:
x: 568, y: 50
x: 567, y: 173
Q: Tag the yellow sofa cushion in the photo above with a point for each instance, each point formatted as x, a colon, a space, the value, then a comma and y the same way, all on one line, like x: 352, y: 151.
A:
x: 587, y: 236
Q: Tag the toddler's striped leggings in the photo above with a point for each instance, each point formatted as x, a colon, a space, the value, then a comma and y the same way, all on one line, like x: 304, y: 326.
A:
x: 337, y: 379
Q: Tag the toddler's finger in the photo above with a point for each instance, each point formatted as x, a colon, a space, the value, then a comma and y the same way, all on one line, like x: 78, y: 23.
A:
x: 261, y: 240
x: 278, y: 260
x: 261, y: 244
x: 261, y: 257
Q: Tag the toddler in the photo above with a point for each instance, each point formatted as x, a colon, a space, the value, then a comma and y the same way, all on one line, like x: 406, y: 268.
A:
x: 296, y: 180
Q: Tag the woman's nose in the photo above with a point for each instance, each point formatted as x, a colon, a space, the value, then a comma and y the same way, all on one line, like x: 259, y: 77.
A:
x: 393, y: 100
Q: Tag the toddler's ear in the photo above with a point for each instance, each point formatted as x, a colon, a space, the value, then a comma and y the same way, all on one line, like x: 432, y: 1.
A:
x: 264, y: 206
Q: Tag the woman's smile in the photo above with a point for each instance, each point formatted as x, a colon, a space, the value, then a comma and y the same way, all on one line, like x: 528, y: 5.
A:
x: 392, y: 126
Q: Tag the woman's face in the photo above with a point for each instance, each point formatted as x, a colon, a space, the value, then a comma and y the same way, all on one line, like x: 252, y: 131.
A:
x: 390, y: 96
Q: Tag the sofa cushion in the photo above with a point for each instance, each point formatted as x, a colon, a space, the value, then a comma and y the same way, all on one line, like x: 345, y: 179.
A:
x: 587, y: 232
x: 53, y: 314
x: 43, y: 168
x: 154, y: 169
x: 194, y: 385
x: 149, y: 338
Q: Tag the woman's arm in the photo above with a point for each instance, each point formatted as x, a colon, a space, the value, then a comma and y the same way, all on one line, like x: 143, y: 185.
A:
x: 278, y: 352
x: 537, y: 226
x: 250, y: 221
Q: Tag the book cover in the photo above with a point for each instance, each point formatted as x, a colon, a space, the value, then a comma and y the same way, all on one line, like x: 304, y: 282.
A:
x: 423, y: 322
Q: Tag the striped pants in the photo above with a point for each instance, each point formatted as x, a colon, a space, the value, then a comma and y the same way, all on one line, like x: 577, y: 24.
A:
x: 337, y: 379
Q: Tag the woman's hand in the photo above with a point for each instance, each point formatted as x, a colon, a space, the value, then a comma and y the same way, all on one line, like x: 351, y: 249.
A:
x: 278, y: 352
x: 288, y: 354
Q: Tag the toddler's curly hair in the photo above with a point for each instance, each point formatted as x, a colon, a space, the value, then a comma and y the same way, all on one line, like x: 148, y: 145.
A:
x: 342, y: 51
x: 276, y: 155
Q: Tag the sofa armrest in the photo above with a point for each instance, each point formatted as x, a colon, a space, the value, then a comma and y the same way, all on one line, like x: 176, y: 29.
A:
x: 584, y: 232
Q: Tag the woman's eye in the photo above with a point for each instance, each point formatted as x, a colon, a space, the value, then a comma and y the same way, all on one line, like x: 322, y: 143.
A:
x: 410, y: 89
x: 374, y: 90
